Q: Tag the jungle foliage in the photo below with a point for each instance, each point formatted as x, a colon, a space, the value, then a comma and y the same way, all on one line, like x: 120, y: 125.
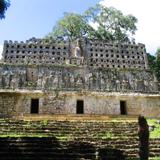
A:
x: 4, y: 4
x: 98, y: 22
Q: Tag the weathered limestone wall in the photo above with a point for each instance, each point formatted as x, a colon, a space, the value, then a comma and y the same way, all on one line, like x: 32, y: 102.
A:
x: 66, y: 103
x: 94, y: 53
x: 109, y: 103
x: 142, y: 104
x: 8, y: 104
x: 104, y: 76
x: 116, y: 55
x: 72, y: 78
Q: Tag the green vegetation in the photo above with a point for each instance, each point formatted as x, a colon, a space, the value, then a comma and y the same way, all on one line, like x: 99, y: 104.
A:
x: 44, y: 122
x: 157, y: 65
x: 4, y: 4
x: 72, y: 26
x: 61, y: 137
x: 106, y: 135
x: 154, y: 63
x: 151, y: 61
x: 18, y: 135
x: 155, y: 158
x: 155, y: 133
x: 74, y: 131
x: 110, y: 25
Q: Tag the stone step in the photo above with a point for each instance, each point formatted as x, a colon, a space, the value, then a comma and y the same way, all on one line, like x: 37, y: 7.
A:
x: 64, y: 123
x: 88, y: 137
x: 79, y: 117
x: 70, y: 128
x: 76, y: 133
x: 47, y: 156
x: 66, y: 126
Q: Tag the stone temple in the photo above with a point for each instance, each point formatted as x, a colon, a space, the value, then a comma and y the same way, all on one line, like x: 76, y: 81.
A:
x: 47, y: 76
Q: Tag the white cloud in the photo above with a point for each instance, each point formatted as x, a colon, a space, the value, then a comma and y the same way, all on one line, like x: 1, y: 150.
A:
x: 1, y: 50
x: 147, y: 13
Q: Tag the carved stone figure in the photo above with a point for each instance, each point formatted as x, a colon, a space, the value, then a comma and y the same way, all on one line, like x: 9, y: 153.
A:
x: 118, y: 85
x: 6, y: 79
x: 55, y: 81
x: 14, y: 82
x: 39, y: 81
x: 103, y: 83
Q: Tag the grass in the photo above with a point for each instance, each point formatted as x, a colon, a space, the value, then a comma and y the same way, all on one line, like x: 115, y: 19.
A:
x: 155, y: 158
x: 44, y: 122
x: 156, y: 132
x: 106, y: 135
x: 61, y: 137
x: 23, y: 135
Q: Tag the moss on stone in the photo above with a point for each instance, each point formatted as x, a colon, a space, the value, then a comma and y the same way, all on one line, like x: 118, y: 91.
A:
x: 154, y: 125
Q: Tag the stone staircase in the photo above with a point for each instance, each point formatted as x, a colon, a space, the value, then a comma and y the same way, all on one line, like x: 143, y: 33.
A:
x: 155, y: 147
x: 71, y: 138
x: 68, y: 139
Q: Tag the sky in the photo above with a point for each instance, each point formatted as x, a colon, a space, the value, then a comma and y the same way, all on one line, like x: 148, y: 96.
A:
x: 148, y: 14
x: 35, y: 18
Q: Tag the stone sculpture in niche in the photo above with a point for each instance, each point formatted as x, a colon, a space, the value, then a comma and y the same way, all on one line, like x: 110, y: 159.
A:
x: 40, y: 81
x: 77, y: 50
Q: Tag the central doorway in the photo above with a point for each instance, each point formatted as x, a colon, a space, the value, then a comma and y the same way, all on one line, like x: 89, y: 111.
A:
x: 80, y: 107
x: 123, y: 108
x: 34, y: 106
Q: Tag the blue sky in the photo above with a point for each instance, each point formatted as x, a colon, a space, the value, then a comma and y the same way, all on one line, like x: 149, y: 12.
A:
x: 35, y: 18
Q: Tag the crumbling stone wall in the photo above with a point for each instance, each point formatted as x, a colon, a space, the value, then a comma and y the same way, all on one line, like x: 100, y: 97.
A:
x: 8, y: 103
x: 36, y: 51
x: 91, y: 52
x: 58, y: 73
x: 49, y: 78
x: 115, y: 55
x: 65, y: 102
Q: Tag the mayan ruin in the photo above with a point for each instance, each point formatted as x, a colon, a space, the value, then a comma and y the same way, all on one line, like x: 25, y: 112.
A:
x: 62, y: 77
x: 77, y: 84
x: 79, y: 80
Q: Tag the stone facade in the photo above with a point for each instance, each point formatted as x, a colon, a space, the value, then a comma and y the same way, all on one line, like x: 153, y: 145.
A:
x: 90, y: 52
x: 85, y: 76
x: 73, y: 78
x: 61, y: 102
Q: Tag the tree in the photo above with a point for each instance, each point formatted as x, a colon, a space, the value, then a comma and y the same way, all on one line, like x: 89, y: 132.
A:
x: 151, y: 61
x: 157, y: 66
x: 110, y: 24
x: 71, y: 26
x: 154, y: 63
x: 4, y: 4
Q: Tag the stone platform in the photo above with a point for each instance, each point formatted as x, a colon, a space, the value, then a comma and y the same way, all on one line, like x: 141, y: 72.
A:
x: 78, y: 117
x: 71, y: 137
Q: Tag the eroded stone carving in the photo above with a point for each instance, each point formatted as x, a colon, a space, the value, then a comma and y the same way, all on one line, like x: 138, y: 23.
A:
x: 91, y: 65
x: 82, y: 51
x: 91, y: 79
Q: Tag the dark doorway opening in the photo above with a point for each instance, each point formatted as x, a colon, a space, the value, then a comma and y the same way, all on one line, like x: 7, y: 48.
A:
x: 80, y: 107
x: 123, y: 107
x: 34, y: 106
